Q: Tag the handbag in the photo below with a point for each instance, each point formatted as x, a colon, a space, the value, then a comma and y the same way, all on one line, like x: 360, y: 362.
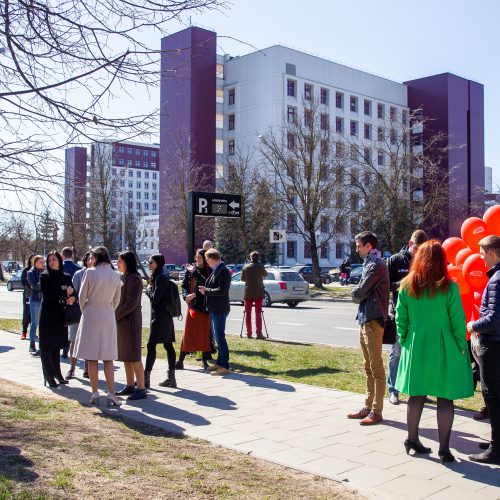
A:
x: 390, y: 331
x: 72, y: 314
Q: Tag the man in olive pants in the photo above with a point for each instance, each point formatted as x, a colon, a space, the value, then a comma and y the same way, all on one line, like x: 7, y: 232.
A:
x: 372, y: 295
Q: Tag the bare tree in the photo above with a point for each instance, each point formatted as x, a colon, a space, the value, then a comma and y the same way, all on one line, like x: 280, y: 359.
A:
x: 306, y: 179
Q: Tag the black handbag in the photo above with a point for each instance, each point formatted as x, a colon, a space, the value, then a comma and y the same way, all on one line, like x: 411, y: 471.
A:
x: 390, y: 331
x: 72, y: 314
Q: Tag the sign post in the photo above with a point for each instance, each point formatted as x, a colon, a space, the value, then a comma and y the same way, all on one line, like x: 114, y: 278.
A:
x: 277, y: 236
x: 201, y: 204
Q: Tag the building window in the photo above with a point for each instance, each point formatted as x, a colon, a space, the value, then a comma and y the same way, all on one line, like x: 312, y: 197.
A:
x: 113, y: 171
x: 367, y: 155
x: 146, y: 206
x: 137, y: 163
x: 146, y: 152
x: 339, y: 100
x: 325, y: 225
x: 230, y: 147
x: 146, y: 175
x: 154, y: 176
x: 339, y: 150
x: 338, y: 250
x: 146, y: 185
x: 122, y: 184
x: 307, y: 250
x: 131, y: 173
x: 146, y: 164
x: 324, y: 147
x: 153, y: 196
x: 121, y: 149
x: 138, y: 205
x: 290, y: 139
x: 230, y: 122
x: 129, y: 151
x: 153, y: 154
x: 138, y: 185
x: 354, y: 128
x: 323, y: 96
x: 291, y: 223
x: 307, y: 91
x: 324, y: 122
x: 380, y: 134
x: 130, y: 184
x: 354, y: 104
x: 404, y: 117
x: 393, y: 113
x: 291, y: 114
x: 113, y: 203
x: 368, y: 107
x: 138, y: 152
x: 154, y: 186
x: 138, y: 195
x: 138, y: 174
x: 290, y: 167
x: 368, y: 131
x: 154, y: 206
x: 230, y: 96
x: 146, y: 196
x: 291, y: 247
x: 324, y: 250
x: 121, y: 161
x: 354, y: 152
x: 130, y: 205
x: 308, y: 121
x: 339, y: 125
x: 393, y: 136
x: 380, y: 111
x: 129, y: 163
x: 354, y: 202
x: 381, y: 157
x: 153, y: 164
x: 290, y: 88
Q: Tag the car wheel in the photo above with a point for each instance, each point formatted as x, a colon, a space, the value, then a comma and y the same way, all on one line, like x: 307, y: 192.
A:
x: 328, y: 280
x: 9, y: 286
x: 292, y: 304
x: 266, y: 301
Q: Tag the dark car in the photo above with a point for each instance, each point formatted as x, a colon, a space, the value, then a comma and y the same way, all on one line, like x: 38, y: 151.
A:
x: 355, y: 275
x: 307, y: 273
x: 235, y: 268
x: 173, y: 270
x: 14, y: 282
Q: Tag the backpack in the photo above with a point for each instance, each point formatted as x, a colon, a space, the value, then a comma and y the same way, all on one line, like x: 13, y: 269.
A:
x: 173, y: 300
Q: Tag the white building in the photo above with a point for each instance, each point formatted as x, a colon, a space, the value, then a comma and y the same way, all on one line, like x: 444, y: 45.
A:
x: 147, y: 236
x: 256, y: 93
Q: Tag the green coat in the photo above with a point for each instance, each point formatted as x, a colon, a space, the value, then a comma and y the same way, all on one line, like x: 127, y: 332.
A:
x: 434, y: 355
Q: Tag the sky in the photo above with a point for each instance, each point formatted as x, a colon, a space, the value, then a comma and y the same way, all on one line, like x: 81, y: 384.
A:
x: 396, y: 39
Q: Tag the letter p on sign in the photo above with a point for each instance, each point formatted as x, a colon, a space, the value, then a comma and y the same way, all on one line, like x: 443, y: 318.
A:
x: 202, y: 205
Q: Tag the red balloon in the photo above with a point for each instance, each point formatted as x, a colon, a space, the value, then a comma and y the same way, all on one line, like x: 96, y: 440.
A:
x: 478, y: 297
x: 474, y: 272
x: 468, y: 305
x: 492, y: 219
x: 473, y: 230
x: 462, y: 255
x: 452, y: 246
x: 457, y: 276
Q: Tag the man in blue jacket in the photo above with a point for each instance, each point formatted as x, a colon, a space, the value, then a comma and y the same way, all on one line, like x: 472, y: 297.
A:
x: 486, y: 344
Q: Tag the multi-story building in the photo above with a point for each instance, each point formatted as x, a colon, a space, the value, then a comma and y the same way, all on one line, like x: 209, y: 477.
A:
x: 148, y: 236
x: 225, y: 104
x: 122, y: 181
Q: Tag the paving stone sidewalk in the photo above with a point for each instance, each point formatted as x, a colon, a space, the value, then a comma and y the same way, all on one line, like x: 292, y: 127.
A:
x: 295, y: 425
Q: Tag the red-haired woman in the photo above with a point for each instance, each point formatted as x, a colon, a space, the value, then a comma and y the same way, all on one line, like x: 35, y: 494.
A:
x: 434, y: 355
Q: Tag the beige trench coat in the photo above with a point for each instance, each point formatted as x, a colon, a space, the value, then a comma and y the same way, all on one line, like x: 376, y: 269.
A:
x: 99, y: 297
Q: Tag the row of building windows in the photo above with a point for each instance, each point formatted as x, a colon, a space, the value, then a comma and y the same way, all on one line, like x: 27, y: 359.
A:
x: 148, y: 233
x: 139, y: 174
x: 138, y: 206
x: 291, y: 250
x: 137, y: 163
x: 138, y: 185
x: 324, y: 97
x: 130, y: 151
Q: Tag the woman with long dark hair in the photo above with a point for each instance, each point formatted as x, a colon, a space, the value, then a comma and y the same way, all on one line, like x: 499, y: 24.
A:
x: 26, y: 297
x: 57, y: 292
x: 197, y: 326
x: 162, y: 325
x: 434, y: 355
x: 129, y: 326
x: 96, y: 336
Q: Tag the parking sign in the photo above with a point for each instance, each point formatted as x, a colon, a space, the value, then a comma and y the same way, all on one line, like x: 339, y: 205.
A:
x: 277, y: 236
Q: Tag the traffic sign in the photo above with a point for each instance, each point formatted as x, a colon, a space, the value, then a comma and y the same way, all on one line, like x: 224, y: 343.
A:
x: 277, y: 236
x: 216, y: 204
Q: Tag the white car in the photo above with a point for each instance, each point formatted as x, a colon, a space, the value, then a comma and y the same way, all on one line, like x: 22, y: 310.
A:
x: 281, y: 285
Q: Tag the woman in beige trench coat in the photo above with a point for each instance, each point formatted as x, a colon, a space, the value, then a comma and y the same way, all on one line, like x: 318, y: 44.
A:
x: 96, y: 337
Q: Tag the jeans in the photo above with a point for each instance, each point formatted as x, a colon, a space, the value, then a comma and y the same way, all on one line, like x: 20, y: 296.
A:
x: 371, y: 334
x: 26, y: 314
x: 219, y: 330
x: 392, y: 367
x: 488, y: 356
x: 35, y: 318
x: 258, y: 316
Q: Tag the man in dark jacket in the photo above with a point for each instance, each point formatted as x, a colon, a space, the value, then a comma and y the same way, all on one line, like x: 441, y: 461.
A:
x: 217, y: 296
x: 486, y: 344
x: 372, y: 295
x: 399, y: 267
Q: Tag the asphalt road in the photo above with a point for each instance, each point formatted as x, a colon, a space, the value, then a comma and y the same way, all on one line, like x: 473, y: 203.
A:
x: 317, y: 322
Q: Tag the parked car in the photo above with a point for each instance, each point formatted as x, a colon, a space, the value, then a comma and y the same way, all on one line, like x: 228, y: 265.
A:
x: 307, y: 273
x: 235, y: 268
x: 14, y: 282
x: 285, y: 286
x: 173, y: 270
x: 355, y: 275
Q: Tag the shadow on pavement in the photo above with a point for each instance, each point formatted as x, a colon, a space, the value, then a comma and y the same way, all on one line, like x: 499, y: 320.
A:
x: 5, y: 348
x: 219, y: 402
x: 15, y: 466
x: 259, y: 381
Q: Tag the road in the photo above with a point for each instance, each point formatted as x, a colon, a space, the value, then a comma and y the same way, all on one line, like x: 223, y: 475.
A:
x: 317, y: 322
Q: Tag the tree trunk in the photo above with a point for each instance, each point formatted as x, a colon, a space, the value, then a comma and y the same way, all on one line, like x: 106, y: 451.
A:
x: 315, y: 261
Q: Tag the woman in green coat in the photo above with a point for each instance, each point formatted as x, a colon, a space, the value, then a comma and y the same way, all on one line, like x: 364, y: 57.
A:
x: 434, y: 355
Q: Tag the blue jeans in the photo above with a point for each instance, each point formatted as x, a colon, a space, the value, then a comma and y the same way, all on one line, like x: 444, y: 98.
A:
x: 393, y: 364
x: 35, y: 318
x: 219, y: 330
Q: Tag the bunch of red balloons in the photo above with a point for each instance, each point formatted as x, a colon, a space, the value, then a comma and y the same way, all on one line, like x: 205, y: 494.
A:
x: 466, y: 267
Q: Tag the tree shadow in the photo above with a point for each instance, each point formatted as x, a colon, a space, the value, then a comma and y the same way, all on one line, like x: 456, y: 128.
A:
x: 299, y: 373
x: 5, y: 348
x: 259, y: 354
x: 219, y: 402
x: 16, y: 466
x: 259, y: 381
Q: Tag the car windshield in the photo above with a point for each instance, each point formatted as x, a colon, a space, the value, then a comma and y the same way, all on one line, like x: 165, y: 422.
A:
x: 270, y: 276
x: 291, y: 276
x: 236, y: 277
x: 357, y: 270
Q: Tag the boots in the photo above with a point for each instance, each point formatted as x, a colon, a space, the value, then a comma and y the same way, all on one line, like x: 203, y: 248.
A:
x: 147, y: 379
x: 170, y: 380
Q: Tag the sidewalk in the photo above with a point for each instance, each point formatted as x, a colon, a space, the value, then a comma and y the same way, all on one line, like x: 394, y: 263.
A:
x: 299, y: 426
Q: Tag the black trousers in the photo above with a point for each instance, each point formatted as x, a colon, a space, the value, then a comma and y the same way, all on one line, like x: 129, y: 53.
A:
x: 488, y: 357
x: 51, y: 363
x: 26, y: 314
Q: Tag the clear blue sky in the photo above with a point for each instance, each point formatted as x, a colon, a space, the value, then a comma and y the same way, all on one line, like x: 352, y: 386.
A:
x: 397, y: 39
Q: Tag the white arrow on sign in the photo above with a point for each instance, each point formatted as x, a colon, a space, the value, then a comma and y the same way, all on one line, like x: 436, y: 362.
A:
x: 234, y: 205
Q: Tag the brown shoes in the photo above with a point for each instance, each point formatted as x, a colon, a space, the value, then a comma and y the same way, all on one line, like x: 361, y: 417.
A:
x: 372, y: 419
x: 213, y: 368
x: 363, y: 413
x: 220, y: 372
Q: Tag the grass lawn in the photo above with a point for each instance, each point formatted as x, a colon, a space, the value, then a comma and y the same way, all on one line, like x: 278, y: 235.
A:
x: 55, y: 448
x: 318, y: 365
x: 333, y: 290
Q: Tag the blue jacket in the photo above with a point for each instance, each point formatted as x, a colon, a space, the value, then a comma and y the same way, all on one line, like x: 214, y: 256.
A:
x: 69, y: 267
x: 488, y: 324
x: 34, y: 283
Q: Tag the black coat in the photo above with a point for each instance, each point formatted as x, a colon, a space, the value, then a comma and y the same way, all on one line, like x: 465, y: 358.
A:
x: 399, y: 267
x: 52, y: 332
x: 190, y: 284
x: 217, y: 291
x: 162, y: 325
